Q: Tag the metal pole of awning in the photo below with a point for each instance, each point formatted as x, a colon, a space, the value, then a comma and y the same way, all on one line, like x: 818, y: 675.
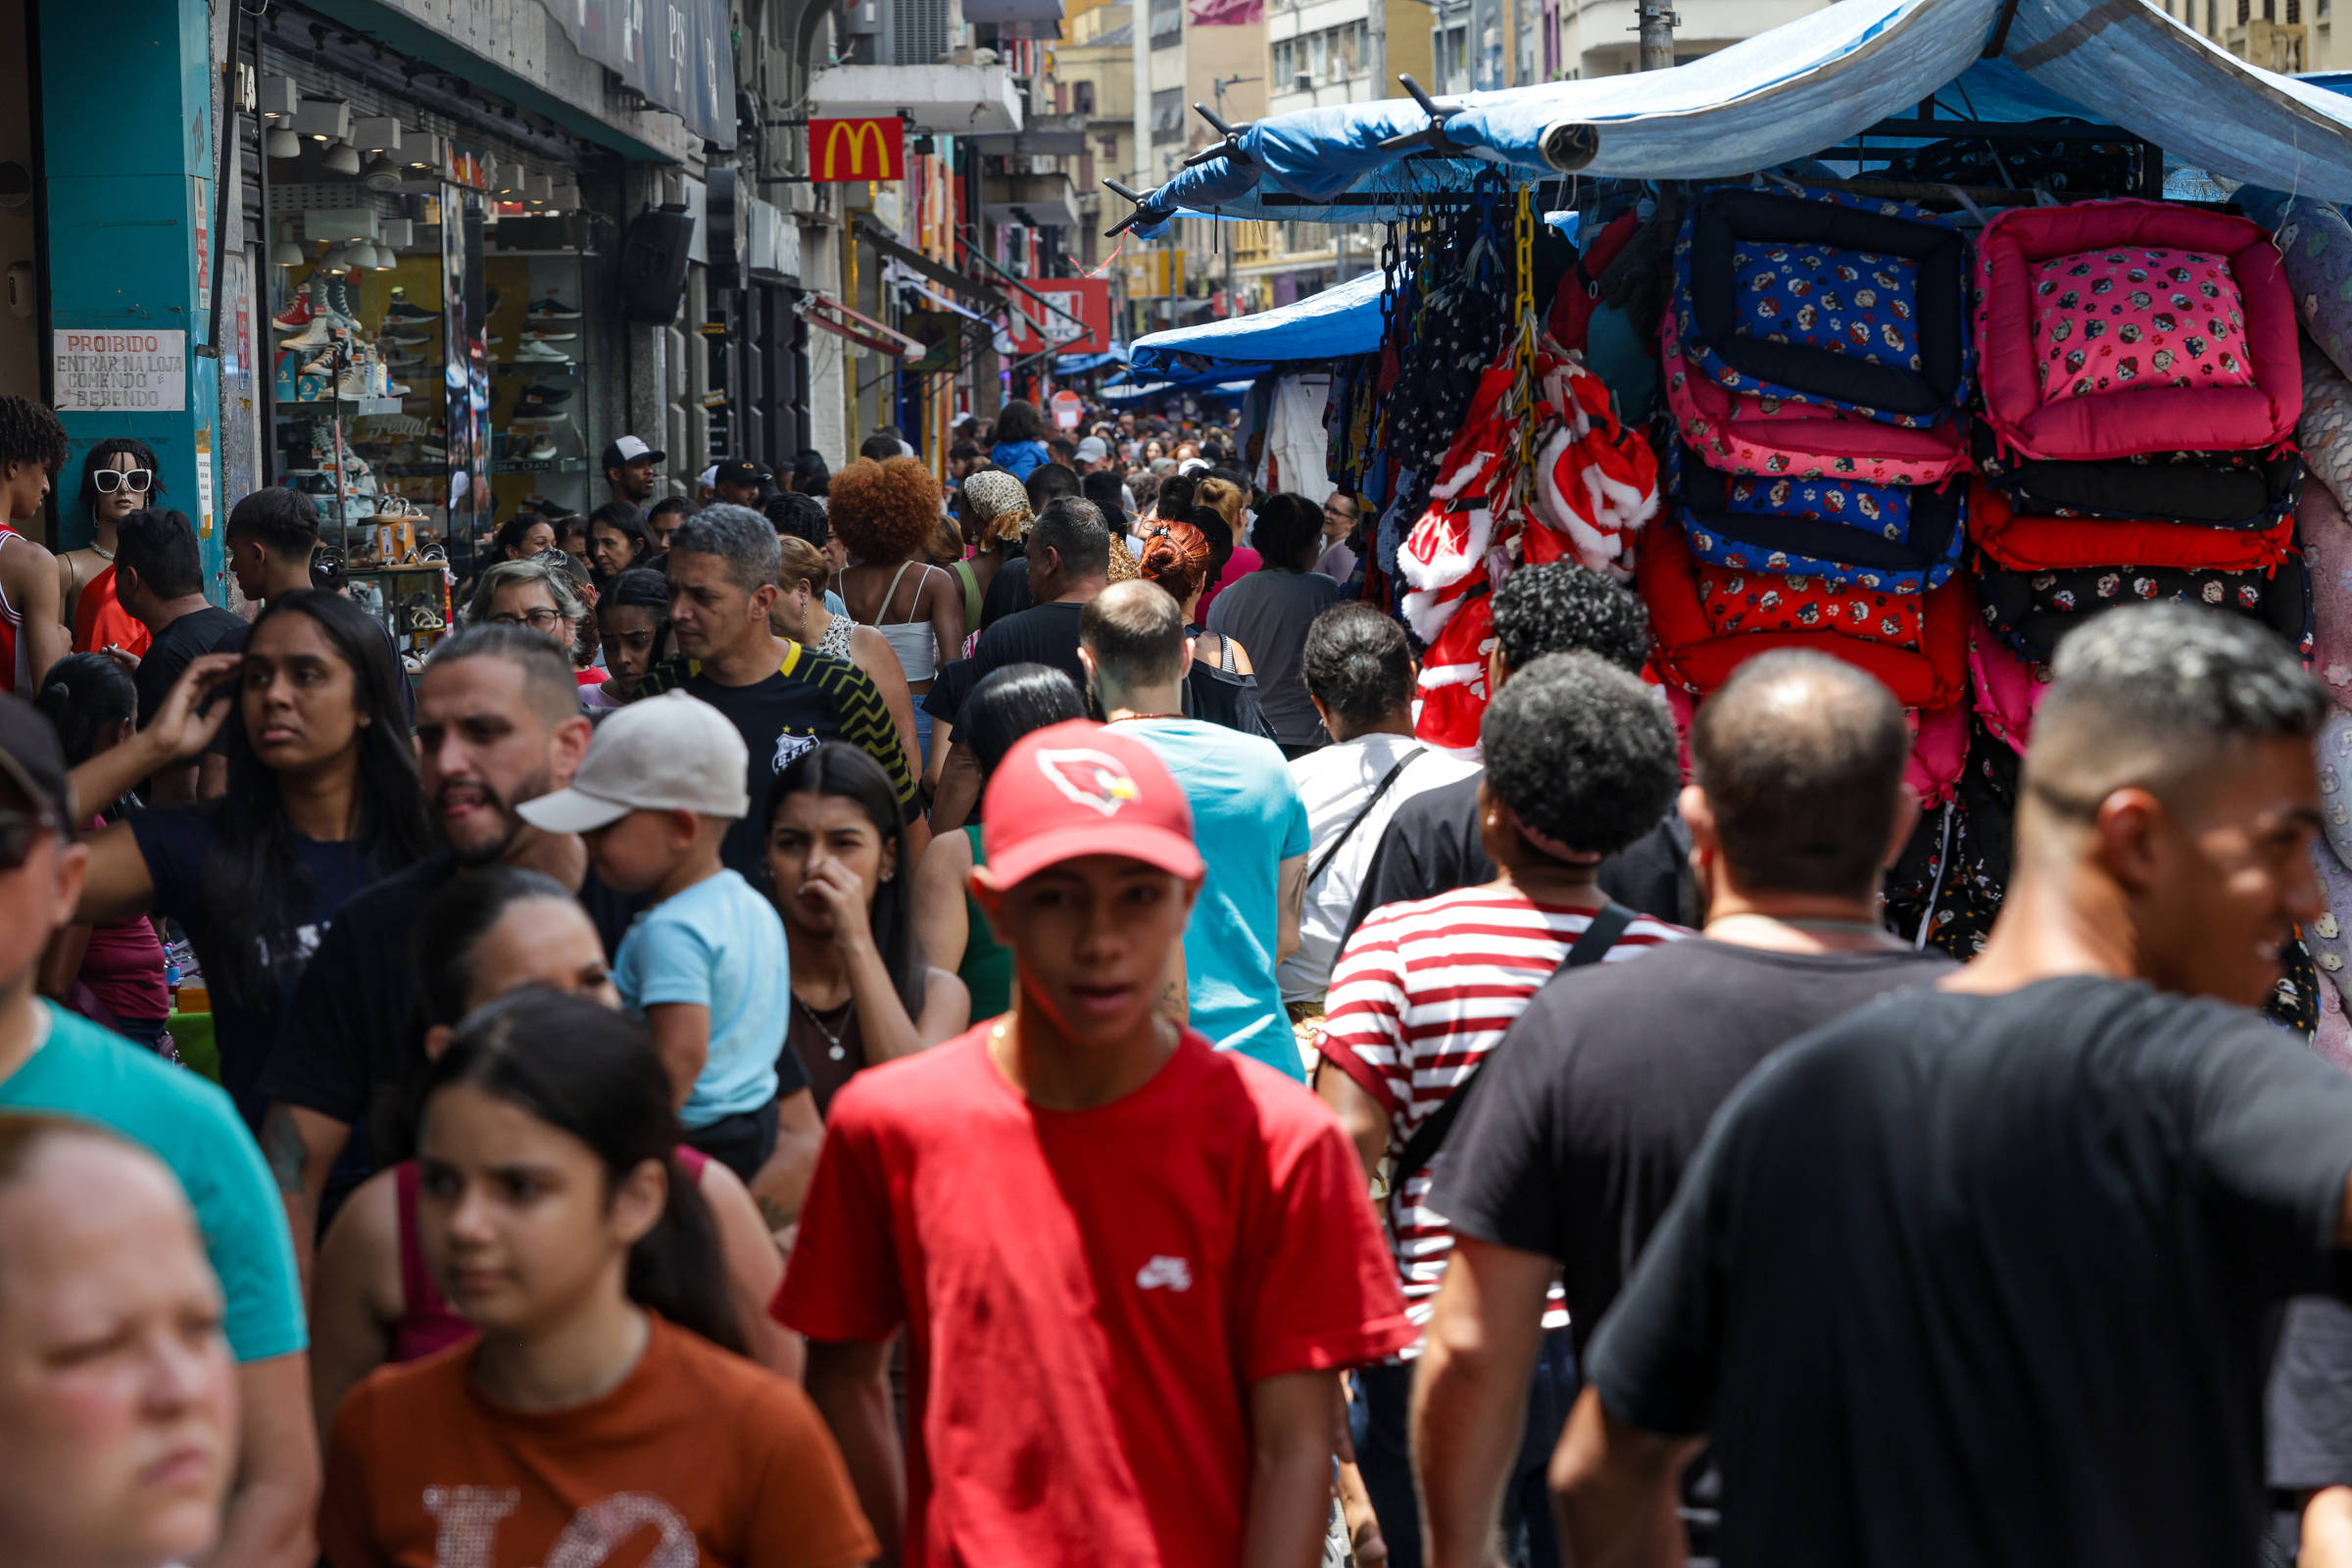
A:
x: 819, y: 310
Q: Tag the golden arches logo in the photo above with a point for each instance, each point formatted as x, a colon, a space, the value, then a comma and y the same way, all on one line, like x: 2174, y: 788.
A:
x: 874, y: 149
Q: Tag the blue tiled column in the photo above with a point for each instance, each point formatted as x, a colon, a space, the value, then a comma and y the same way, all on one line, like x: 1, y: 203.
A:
x: 127, y: 94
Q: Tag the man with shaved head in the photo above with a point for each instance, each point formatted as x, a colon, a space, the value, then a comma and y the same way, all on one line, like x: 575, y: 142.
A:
x: 1986, y: 1273
x: 1601, y: 1089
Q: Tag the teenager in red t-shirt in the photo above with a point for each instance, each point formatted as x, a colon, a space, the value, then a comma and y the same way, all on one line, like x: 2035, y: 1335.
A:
x: 1130, y: 1267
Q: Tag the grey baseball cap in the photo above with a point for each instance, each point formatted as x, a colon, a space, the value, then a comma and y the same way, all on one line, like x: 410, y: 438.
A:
x: 671, y: 752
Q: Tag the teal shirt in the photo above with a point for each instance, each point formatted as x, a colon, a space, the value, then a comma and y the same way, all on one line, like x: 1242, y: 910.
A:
x: 83, y: 1071
x: 1245, y: 806
x: 721, y: 946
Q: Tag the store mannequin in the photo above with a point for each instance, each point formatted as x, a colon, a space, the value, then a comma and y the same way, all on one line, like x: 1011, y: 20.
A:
x: 131, y: 480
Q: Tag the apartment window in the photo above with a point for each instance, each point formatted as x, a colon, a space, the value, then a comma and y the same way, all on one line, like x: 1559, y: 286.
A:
x: 1167, y: 114
x: 1082, y: 97
x: 1286, y: 64
x: 1167, y: 22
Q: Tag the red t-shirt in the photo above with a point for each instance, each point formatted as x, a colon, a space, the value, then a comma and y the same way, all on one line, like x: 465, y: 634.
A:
x: 1089, y: 1295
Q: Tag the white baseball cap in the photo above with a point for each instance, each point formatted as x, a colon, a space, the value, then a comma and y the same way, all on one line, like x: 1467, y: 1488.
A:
x: 1093, y: 450
x: 671, y: 752
x: 709, y: 477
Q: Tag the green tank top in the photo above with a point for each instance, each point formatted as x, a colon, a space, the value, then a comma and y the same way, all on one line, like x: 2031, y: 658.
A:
x: 987, y: 967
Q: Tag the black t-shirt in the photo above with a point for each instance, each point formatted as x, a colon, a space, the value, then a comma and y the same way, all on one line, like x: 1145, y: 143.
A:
x: 176, y: 842
x: 1007, y: 592
x: 210, y: 630
x: 351, y: 1043
x: 1431, y: 846
x: 1969, y: 1280
x: 1580, y: 1125
x: 1047, y: 634
x: 948, y: 688
x: 809, y: 699
x: 2311, y: 1398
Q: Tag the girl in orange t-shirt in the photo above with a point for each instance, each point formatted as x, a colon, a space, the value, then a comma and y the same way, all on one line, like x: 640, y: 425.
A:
x: 602, y: 1415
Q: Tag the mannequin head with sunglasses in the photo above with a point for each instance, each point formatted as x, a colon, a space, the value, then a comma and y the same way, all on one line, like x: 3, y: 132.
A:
x: 118, y: 476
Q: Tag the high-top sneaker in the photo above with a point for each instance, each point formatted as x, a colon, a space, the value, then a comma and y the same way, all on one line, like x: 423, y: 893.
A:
x: 316, y: 333
x: 297, y: 315
x: 338, y: 299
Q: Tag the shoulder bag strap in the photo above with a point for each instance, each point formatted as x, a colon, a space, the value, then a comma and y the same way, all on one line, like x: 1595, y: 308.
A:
x: 1323, y: 862
x: 1608, y: 923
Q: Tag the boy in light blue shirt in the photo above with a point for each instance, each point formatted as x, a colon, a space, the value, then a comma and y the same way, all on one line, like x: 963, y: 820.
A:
x: 706, y: 966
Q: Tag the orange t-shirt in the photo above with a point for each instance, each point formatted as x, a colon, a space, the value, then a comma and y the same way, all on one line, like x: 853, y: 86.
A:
x: 695, y: 1448
x: 99, y: 619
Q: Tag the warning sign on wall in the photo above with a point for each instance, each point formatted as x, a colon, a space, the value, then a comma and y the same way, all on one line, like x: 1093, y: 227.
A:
x: 138, y: 372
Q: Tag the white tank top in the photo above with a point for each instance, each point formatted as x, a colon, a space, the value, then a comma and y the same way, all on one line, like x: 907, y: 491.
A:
x: 913, y: 641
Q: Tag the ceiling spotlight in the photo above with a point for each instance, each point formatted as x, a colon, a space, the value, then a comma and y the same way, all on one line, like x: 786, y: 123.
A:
x: 422, y: 150
x: 342, y: 159
x: 279, y: 142
x: 336, y: 259
x: 565, y: 196
x: 379, y: 133
x: 382, y: 173
x: 324, y: 119
x: 396, y: 234
x: 278, y: 97
x: 286, y: 253
x: 537, y: 188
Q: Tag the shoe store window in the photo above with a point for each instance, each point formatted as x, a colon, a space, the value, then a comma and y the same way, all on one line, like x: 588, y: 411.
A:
x: 534, y: 313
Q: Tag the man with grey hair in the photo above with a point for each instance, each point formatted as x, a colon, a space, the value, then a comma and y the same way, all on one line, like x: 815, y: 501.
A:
x: 781, y: 697
x: 1984, y: 1273
x: 1567, y: 1154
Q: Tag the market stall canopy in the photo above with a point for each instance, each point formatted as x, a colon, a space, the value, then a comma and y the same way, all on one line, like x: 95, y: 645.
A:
x: 1081, y: 363
x: 1339, y: 321
x: 1778, y: 97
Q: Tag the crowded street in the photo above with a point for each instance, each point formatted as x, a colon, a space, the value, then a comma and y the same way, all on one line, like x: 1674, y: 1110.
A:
x: 715, y: 854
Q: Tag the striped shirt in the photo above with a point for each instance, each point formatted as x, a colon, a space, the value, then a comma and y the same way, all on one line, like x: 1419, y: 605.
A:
x: 1422, y: 993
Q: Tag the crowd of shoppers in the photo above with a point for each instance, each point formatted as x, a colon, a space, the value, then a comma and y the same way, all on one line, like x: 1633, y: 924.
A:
x: 847, y: 1018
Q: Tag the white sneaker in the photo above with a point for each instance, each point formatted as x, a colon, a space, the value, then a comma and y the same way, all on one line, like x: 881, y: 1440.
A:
x: 317, y: 335
x: 542, y: 450
x: 537, y: 352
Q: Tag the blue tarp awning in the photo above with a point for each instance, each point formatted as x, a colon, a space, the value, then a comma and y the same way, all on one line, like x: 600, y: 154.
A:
x: 1784, y: 95
x: 1080, y: 364
x: 1341, y: 321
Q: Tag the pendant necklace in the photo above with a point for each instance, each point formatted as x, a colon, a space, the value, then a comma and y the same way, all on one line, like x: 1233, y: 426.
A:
x: 833, y: 1044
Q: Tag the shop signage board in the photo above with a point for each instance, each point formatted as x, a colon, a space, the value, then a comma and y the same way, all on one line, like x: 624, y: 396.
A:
x: 856, y: 149
x: 104, y: 371
x: 1035, y: 328
x: 678, y: 53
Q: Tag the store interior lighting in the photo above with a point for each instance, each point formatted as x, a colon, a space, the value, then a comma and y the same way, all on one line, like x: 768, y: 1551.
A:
x: 287, y: 251
x: 376, y: 134
x: 537, y: 188
x: 422, y: 150
x: 382, y: 173
x: 279, y: 142
x: 279, y: 98
x: 324, y: 119
x: 342, y: 158
x: 564, y: 197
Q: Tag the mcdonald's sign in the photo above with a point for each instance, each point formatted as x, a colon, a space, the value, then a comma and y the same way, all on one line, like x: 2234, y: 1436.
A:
x: 856, y: 149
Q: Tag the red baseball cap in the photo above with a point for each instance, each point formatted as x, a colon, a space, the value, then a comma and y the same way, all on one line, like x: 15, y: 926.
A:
x: 1082, y: 788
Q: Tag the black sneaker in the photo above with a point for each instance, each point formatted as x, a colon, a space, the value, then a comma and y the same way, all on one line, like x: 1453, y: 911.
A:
x: 542, y: 392
x: 551, y: 308
x: 400, y: 310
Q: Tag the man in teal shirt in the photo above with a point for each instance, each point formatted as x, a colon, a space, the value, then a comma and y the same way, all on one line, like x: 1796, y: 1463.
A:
x: 54, y: 1061
x: 1244, y: 809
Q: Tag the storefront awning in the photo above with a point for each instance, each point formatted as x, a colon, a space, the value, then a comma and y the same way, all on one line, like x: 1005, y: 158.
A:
x: 1081, y: 363
x: 937, y: 271
x: 822, y: 310
x: 959, y: 100
x: 1782, y: 96
x: 1341, y: 321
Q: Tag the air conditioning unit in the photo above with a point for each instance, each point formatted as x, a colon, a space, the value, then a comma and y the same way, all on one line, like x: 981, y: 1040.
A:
x: 913, y: 32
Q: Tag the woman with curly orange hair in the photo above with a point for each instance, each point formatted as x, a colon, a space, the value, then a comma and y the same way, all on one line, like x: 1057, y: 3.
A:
x: 885, y: 515
x: 1219, y: 686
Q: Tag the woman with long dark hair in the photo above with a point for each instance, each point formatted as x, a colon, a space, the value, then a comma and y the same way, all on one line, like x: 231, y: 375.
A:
x: 111, y: 973
x: 1022, y: 432
x: 119, y: 478
x: 323, y: 798
x: 839, y: 872
x: 600, y: 1402
x: 1006, y: 705
x: 485, y: 934
x: 617, y: 541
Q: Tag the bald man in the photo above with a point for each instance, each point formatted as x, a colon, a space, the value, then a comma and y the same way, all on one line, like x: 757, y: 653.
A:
x: 1988, y: 1273
x: 1563, y: 1163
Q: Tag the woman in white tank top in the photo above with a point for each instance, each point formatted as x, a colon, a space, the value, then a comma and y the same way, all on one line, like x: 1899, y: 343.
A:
x: 885, y: 515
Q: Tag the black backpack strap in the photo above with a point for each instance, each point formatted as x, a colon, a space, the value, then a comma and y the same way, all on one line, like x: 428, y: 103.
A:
x: 1608, y: 923
x: 1330, y: 850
